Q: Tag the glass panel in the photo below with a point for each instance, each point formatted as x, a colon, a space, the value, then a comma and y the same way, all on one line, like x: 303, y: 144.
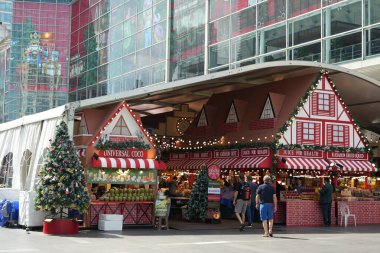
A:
x: 344, y: 48
x: 103, y: 89
x: 372, y: 10
x: 305, y: 29
x: 143, y: 39
x: 243, y: 47
x: 129, y: 45
x: 103, y: 72
x: 187, y: 39
x: 329, y: 2
x: 117, y: 15
x: 158, y: 52
x: 116, y: 85
x: 243, y: 22
x: 143, y: 4
x: 129, y: 63
x: 158, y: 73
x: 373, y: 41
x: 92, y: 91
x: 271, y: 12
x: 275, y: 57
x: 129, y: 27
x: 273, y: 39
x: 159, y: 12
x: 92, y: 77
x: 237, y: 5
x: 143, y: 77
x: 103, y: 55
x: 115, y: 50
x: 143, y: 58
x: 114, y: 68
x: 219, y: 55
x: 307, y: 53
x: 343, y: 18
x: 219, y: 8
x: 144, y: 20
x: 159, y: 32
x: 299, y: 7
x: 219, y: 30
x: 129, y: 81
x: 116, y: 33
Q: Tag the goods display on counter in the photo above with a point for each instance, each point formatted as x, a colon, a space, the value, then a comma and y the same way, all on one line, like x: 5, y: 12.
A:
x: 115, y: 194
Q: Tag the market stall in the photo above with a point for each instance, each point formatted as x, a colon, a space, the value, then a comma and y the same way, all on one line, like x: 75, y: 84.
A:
x: 121, y: 164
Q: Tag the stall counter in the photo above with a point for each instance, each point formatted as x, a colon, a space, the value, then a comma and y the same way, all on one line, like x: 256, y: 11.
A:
x: 140, y: 213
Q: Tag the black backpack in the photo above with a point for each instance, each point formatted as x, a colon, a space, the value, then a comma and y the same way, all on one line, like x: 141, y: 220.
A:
x: 246, y: 191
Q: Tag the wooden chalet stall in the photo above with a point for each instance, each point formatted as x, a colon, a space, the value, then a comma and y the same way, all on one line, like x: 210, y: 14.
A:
x: 120, y: 161
x: 304, y: 133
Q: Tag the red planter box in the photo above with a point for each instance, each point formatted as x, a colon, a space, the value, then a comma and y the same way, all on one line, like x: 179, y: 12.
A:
x: 60, y: 227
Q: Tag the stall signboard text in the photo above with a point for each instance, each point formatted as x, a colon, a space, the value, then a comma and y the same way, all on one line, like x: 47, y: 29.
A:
x: 160, y: 208
x: 300, y: 153
x: 124, y: 153
x: 213, y: 191
x: 249, y: 152
x: 226, y: 153
x: 178, y: 156
x: 201, y: 155
x: 117, y: 176
x: 352, y: 156
x: 213, y: 172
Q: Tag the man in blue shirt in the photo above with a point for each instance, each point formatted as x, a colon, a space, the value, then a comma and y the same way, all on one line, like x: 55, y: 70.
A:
x: 266, y: 200
x: 251, y: 207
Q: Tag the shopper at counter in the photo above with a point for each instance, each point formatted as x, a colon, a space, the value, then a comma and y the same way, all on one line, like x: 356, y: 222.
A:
x: 326, y: 200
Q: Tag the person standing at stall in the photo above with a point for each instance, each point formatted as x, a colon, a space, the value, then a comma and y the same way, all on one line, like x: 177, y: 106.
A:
x: 251, y: 206
x: 240, y: 201
x: 326, y: 200
x: 266, y: 200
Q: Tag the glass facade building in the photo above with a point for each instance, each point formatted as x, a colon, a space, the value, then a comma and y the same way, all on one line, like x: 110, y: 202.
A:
x: 120, y: 45
x: 37, y: 59
x: 102, y: 47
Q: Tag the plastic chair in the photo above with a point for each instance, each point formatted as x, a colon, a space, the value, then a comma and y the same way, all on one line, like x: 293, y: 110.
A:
x: 345, y: 212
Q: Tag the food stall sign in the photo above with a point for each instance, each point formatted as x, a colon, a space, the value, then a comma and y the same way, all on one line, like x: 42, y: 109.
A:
x: 201, y: 155
x: 117, y: 176
x: 212, y: 198
x: 213, y: 191
x: 178, y: 156
x: 125, y: 153
x: 213, y: 184
x: 226, y: 153
x: 213, y: 172
x: 352, y: 156
x: 249, y: 152
x: 300, y: 153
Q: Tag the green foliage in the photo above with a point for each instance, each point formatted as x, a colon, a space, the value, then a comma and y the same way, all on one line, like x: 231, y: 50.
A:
x: 104, y: 145
x: 197, y: 206
x: 62, y: 180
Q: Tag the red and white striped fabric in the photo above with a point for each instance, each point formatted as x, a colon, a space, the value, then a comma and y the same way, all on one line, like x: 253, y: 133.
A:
x: 127, y: 163
x: 195, y: 164
x: 354, y: 165
x: 223, y: 163
x: 253, y: 162
x: 303, y: 163
x: 81, y: 152
x: 176, y: 164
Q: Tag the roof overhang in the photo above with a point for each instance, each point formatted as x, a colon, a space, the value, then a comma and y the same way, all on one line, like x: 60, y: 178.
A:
x: 360, y: 92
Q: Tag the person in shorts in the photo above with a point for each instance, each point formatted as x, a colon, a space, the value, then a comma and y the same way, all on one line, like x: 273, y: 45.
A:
x: 239, y: 203
x: 266, y: 200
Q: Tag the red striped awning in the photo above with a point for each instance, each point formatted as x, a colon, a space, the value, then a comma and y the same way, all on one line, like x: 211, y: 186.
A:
x: 354, y: 165
x: 257, y: 162
x: 223, y: 163
x: 176, y: 164
x: 127, y: 163
x: 195, y: 164
x: 302, y: 163
x: 81, y: 152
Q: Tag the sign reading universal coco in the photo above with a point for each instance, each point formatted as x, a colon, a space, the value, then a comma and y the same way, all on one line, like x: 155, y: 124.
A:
x: 125, y: 153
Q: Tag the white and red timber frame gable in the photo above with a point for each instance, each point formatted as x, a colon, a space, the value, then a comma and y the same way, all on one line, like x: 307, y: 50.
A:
x: 322, y: 120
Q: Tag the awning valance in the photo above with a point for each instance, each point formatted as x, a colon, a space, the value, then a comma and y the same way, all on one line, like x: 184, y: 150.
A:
x: 127, y: 163
x: 223, y: 163
x: 302, y: 163
x: 195, y: 164
x: 176, y: 164
x: 354, y: 165
x: 258, y: 162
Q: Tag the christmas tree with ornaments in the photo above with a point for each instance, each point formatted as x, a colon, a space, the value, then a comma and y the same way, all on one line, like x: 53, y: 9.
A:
x: 197, y: 206
x: 62, y: 182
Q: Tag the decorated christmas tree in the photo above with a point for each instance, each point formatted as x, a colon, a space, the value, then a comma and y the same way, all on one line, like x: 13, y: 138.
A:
x: 62, y: 181
x: 197, y: 205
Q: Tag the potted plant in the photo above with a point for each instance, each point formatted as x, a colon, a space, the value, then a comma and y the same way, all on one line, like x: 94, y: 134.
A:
x: 61, y: 185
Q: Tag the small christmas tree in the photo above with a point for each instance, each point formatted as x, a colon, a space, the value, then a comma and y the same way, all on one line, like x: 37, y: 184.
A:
x: 197, y: 205
x: 62, y: 181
